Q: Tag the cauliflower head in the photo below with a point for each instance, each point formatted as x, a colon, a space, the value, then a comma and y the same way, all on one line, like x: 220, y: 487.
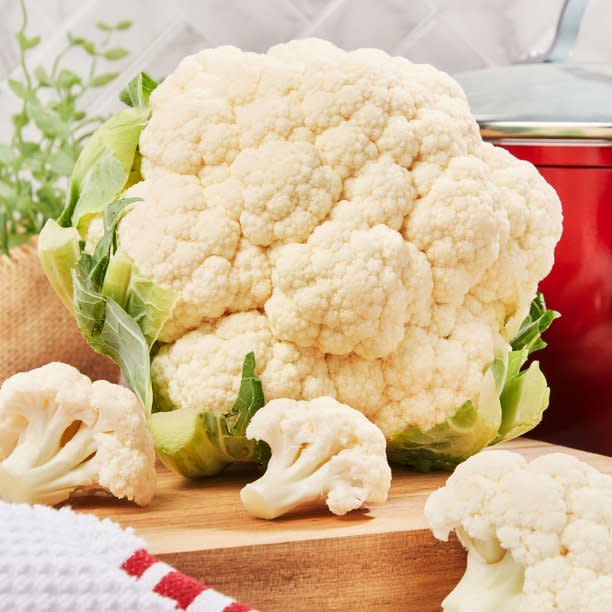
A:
x: 320, y: 449
x: 338, y: 214
x: 538, y: 534
x: 64, y: 434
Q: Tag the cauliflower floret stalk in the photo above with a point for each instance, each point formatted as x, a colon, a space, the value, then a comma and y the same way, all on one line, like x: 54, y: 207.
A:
x: 321, y: 449
x: 538, y: 535
x: 511, y: 403
x: 67, y: 435
x: 336, y: 213
x: 197, y: 444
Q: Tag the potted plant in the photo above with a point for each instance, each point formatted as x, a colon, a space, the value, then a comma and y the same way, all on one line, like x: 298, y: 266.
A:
x: 48, y: 132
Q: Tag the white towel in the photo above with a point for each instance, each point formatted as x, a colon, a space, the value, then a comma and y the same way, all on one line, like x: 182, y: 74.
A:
x: 58, y: 560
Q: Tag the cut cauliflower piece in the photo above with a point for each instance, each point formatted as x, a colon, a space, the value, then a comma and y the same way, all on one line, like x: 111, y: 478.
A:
x: 71, y: 435
x: 321, y: 449
x: 538, y: 535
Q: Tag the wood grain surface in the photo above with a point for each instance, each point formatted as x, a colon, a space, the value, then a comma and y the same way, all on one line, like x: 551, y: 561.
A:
x: 384, y: 559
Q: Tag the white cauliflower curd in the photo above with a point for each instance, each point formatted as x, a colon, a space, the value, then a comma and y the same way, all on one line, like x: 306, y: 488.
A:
x: 338, y: 214
x: 63, y: 434
x: 538, y: 535
x: 320, y: 449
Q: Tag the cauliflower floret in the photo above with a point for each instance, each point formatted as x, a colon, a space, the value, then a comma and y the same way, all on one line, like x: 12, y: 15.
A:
x: 189, y: 248
x: 538, y: 535
x: 313, y: 305
x: 286, y: 191
x: 214, y: 353
x: 320, y: 449
x: 73, y: 435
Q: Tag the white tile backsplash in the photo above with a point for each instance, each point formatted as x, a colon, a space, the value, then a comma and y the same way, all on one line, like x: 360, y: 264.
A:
x: 455, y: 35
x: 445, y: 45
x: 351, y: 24
x: 595, y: 37
x: 253, y: 25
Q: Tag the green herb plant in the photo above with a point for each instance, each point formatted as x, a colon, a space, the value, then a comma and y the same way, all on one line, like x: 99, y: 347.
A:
x: 49, y: 130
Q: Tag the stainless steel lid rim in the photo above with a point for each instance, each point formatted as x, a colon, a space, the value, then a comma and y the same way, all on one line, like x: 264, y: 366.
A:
x: 555, y: 131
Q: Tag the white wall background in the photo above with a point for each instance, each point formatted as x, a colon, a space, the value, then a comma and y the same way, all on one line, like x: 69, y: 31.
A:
x: 454, y: 35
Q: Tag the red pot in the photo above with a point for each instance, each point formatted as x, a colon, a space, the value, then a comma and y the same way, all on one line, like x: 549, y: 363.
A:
x: 559, y: 117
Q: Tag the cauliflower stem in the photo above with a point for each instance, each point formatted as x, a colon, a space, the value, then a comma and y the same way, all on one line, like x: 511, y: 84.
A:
x: 41, y: 469
x: 487, y: 586
x: 289, y: 481
x: 197, y: 444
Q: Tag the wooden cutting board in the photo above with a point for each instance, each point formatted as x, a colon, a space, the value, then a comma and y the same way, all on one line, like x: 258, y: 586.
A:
x: 384, y: 559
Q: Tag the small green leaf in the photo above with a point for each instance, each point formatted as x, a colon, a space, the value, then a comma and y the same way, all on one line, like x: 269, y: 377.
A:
x: 49, y: 123
x: 18, y: 88
x: 102, y: 79
x: 112, y: 215
x: 20, y: 120
x: 28, y: 149
x: 75, y: 41
x: 67, y: 79
x: 116, y: 53
x: 103, y: 166
x: 123, y: 25
x: 62, y: 163
x: 250, y: 398
x: 27, y: 43
x: 7, y: 192
x: 7, y: 154
x: 105, y: 27
x: 88, y: 47
x: 138, y: 91
x: 535, y: 324
x: 44, y: 80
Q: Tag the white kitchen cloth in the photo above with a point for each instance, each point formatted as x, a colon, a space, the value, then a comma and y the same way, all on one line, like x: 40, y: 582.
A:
x: 57, y: 560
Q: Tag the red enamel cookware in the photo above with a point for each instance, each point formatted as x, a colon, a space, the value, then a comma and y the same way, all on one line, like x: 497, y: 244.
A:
x: 559, y: 117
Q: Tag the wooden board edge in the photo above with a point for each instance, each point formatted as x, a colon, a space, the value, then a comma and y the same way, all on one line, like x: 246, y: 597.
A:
x: 365, y: 572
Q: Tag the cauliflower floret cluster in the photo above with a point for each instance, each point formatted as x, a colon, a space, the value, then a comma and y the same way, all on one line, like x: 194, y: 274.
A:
x: 338, y: 214
x: 320, y: 449
x: 539, y: 534
x: 63, y: 434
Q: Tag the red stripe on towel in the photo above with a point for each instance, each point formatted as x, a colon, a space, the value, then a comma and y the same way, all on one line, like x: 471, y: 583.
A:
x: 138, y: 563
x: 179, y: 587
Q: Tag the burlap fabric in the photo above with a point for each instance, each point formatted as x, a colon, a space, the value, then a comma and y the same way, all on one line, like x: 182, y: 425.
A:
x: 35, y: 327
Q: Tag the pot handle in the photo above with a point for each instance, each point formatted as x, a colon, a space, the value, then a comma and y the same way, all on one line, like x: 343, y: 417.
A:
x: 566, y: 33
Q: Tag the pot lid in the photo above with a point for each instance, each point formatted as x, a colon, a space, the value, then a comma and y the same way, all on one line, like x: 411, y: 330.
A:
x: 550, y: 100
